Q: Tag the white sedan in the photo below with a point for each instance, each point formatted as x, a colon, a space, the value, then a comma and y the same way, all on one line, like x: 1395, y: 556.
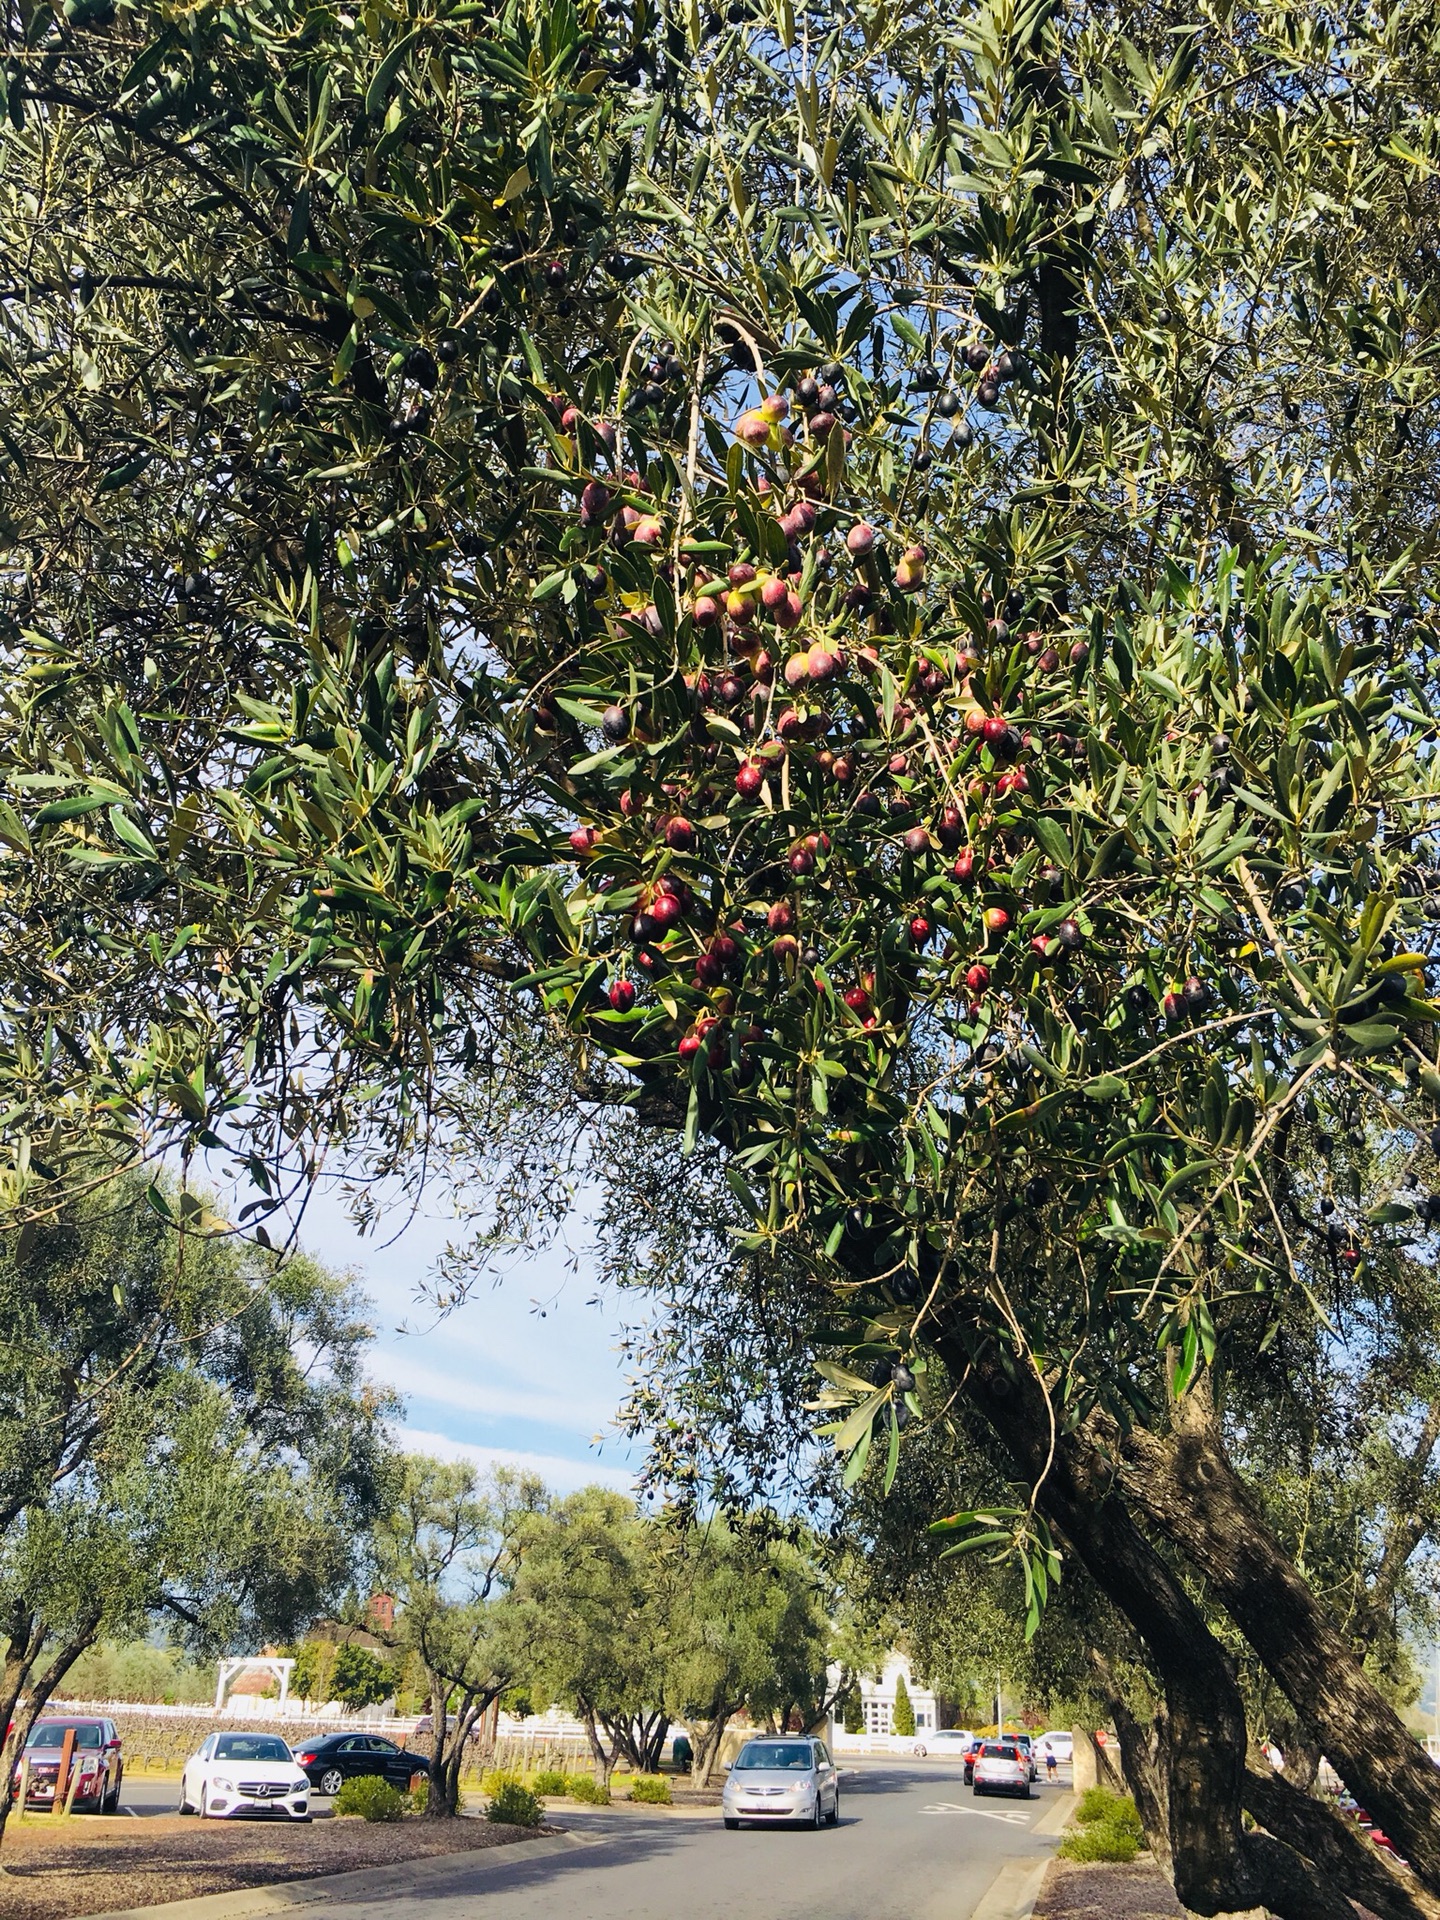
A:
x: 244, y: 1773
x: 953, y: 1742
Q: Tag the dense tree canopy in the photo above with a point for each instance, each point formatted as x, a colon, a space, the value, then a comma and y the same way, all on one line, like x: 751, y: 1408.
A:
x: 877, y: 566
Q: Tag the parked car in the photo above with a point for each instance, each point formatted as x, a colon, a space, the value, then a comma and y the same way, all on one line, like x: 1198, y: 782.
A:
x: 238, y: 1773
x: 330, y: 1762
x: 950, y: 1743
x: 1060, y: 1743
x: 782, y: 1779
x: 1002, y: 1767
x: 1027, y: 1747
x: 96, y: 1764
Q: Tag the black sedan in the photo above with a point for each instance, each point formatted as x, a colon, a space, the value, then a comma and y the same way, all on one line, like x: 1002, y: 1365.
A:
x: 330, y: 1762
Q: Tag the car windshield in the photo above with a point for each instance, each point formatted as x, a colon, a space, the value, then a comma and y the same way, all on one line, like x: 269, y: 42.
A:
x: 787, y: 1755
x: 50, y: 1736
x: 250, y: 1746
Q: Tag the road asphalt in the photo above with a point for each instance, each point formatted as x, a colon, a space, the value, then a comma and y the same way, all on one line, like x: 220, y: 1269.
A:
x: 913, y: 1844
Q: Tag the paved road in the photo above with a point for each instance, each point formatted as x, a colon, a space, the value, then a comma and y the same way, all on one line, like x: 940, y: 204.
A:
x: 913, y: 1844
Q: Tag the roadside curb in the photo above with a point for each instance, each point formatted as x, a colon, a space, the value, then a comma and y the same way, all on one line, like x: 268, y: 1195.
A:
x: 363, y: 1883
x: 1013, y: 1892
x: 635, y: 1810
x: 1058, y: 1818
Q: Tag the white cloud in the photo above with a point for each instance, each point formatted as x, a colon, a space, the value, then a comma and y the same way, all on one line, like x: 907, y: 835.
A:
x: 558, y: 1473
x: 463, y: 1389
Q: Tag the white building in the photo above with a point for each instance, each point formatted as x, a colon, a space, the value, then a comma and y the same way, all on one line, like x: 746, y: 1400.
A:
x: 877, y: 1698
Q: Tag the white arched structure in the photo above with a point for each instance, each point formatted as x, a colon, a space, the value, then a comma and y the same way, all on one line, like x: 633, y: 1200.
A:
x: 231, y: 1670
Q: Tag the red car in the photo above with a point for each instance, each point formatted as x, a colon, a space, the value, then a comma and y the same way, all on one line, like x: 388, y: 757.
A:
x: 96, y: 1765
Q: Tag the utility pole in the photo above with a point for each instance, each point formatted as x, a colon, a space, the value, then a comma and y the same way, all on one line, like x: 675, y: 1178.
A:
x: 999, y: 1708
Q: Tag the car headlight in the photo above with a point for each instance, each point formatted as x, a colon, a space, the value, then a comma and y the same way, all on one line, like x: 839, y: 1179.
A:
x: 299, y: 1786
x: 222, y: 1781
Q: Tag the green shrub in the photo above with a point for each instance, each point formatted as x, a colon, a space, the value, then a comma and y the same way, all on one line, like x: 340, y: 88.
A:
x: 587, y: 1789
x: 550, y: 1781
x: 1107, y: 1828
x: 371, y: 1798
x: 516, y: 1806
x: 494, y: 1778
x: 1100, y: 1840
x: 650, y: 1787
x: 1098, y: 1803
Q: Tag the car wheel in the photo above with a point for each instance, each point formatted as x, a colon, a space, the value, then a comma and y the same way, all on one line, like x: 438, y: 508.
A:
x: 835, y: 1810
x: 817, y: 1819
x: 111, y: 1800
x: 331, y: 1781
x: 919, y: 1753
x: 205, y: 1813
x: 184, y: 1806
x: 731, y: 1826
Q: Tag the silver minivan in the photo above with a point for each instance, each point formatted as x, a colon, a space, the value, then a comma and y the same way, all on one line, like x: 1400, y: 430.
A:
x: 782, y: 1778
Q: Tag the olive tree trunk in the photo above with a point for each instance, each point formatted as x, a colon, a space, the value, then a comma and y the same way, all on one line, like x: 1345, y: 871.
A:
x: 1217, y: 1867
x: 1185, y: 1484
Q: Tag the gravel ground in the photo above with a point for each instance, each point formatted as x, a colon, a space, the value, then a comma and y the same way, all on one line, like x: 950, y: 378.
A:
x: 1138, y: 1891
x: 96, y: 1869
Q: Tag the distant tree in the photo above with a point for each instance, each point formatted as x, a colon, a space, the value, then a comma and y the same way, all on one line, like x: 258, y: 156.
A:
x: 746, y: 1628
x: 597, y: 1631
x: 854, y: 1712
x: 359, y: 1677
x: 903, y: 1718
x: 138, y: 1670
x: 310, y: 1676
x: 449, y: 1550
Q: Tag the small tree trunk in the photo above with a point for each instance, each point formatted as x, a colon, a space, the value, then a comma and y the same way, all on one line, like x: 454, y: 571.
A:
x: 604, y: 1762
x: 1142, y: 1749
x: 439, y: 1801
x: 27, y: 1640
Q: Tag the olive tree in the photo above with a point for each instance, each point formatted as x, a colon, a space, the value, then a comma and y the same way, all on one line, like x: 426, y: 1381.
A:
x: 876, y: 567
x: 448, y: 1550
x: 187, y: 1442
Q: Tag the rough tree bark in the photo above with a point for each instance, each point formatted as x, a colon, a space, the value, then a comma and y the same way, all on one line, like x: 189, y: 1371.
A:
x: 1337, y: 1846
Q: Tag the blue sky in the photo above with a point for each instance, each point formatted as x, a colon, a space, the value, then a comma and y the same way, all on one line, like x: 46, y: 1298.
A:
x: 493, y: 1380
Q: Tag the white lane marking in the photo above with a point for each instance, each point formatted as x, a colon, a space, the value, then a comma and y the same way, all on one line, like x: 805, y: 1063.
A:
x: 978, y: 1813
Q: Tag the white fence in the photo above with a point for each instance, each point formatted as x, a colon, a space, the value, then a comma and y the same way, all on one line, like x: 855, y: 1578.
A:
x: 901, y: 1743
